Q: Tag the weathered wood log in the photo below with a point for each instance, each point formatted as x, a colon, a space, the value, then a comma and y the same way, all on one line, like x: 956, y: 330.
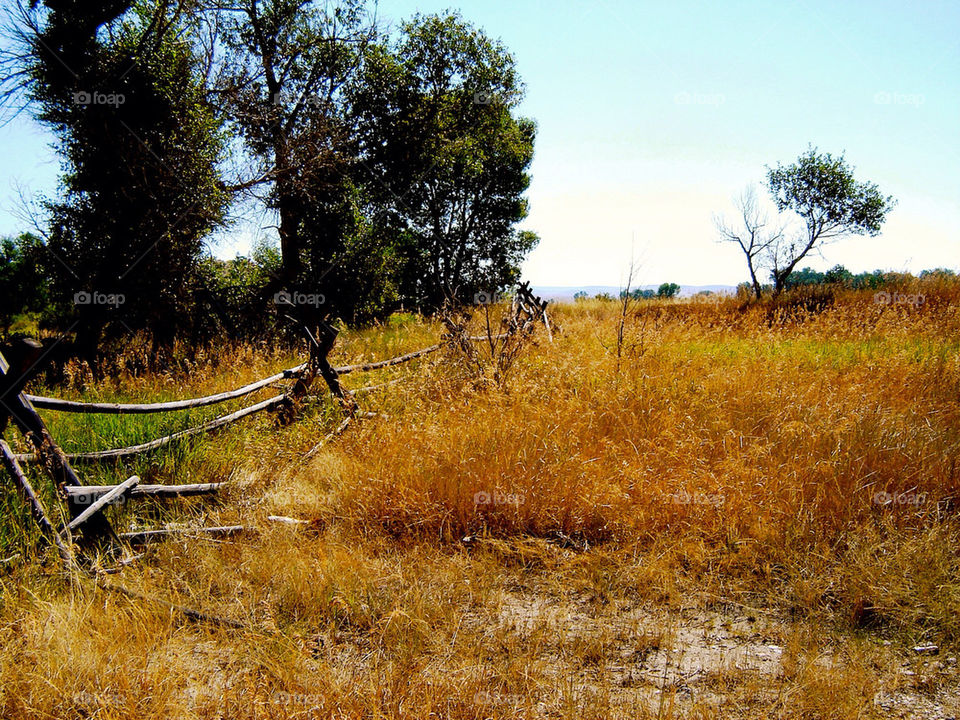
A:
x: 88, y: 493
x: 34, y: 429
x: 141, y: 408
x: 25, y: 357
x: 147, y: 536
x: 316, y: 448
x: 362, y: 367
x: 319, y: 351
x: 36, y: 507
x: 117, y: 453
x: 95, y: 507
x: 29, y: 421
x: 186, y: 611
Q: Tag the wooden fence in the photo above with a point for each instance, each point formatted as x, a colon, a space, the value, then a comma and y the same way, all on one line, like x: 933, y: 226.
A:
x: 85, y: 503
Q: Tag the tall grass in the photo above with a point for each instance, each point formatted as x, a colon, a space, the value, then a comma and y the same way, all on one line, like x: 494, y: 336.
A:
x: 794, y: 460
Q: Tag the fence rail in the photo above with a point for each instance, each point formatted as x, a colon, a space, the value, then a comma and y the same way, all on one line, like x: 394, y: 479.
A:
x: 74, y: 406
x: 86, y: 503
x: 50, y: 403
x: 141, y: 408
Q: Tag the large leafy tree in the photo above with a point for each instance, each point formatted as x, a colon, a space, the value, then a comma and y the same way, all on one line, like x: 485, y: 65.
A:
x: 446, y: 159
x: 283, y: 75
x: 123, y: 91
x: 820, y: 188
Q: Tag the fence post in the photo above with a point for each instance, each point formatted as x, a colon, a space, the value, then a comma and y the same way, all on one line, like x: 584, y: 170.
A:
x: 319, y: 350
x: 15, y: 404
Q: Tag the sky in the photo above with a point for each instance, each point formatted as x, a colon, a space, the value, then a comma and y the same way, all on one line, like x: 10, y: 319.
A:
x: 653, y: 116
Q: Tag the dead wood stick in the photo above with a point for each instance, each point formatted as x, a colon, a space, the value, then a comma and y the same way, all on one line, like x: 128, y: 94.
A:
x: 101, y: 503
x: 85, y: 493
x: 160, y: 442
x: 183, y: 610
x: 36, y: 507
x: 362, y: 367
x: 147, y: 536
x: 141, y: 408
x: 340, y: 428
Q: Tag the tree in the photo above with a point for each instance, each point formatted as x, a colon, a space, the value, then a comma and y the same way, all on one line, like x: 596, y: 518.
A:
x: 822, y: 191
x: 753, y: 235
x: 448, y: 160
x: 23, y: 286
x: 838, y: 275
x: 126, y: 99
x: 283, y: 80
x: 668, y: 290
x: 804, y: 277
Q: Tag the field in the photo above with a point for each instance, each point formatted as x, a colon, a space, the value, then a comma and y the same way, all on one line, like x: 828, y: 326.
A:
x: 740, y: 511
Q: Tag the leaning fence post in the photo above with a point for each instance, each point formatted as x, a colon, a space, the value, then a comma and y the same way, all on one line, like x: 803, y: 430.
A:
x: 319, y: 350
x: 14, y: 403
x: 36, y: 507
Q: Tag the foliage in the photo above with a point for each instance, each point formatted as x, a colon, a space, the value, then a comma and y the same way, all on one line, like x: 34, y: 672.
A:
x: 822, y: 191
x: 140, y: 146
x: 23, y: 286
x: 448, y: 157
x: 668, y: 290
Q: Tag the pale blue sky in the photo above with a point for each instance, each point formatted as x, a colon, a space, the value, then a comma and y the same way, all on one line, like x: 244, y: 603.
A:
x: 652, y: 116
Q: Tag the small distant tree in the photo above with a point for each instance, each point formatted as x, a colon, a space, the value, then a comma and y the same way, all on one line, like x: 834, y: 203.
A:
x: 804, y: 277
x: 838, y: 275
x: 869, y: 280
x: 668, y: 290
x: 942, y: 273
x: 822, y: 191
x: 753, y: 234
x: 579, y: 296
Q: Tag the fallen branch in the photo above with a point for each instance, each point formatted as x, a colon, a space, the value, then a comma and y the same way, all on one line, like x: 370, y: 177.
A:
x: 362, y: 367
x: 148, y: 536
x: 340, y: 428
x: 166, y: 440
x: 87, y: 493
x: 141, y: 408
x: 98, y: 505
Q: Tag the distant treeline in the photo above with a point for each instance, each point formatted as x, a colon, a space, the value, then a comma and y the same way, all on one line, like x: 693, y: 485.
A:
x: 836, y: 277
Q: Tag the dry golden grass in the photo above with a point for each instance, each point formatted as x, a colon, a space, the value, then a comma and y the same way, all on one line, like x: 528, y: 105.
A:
x: 753, y: 515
